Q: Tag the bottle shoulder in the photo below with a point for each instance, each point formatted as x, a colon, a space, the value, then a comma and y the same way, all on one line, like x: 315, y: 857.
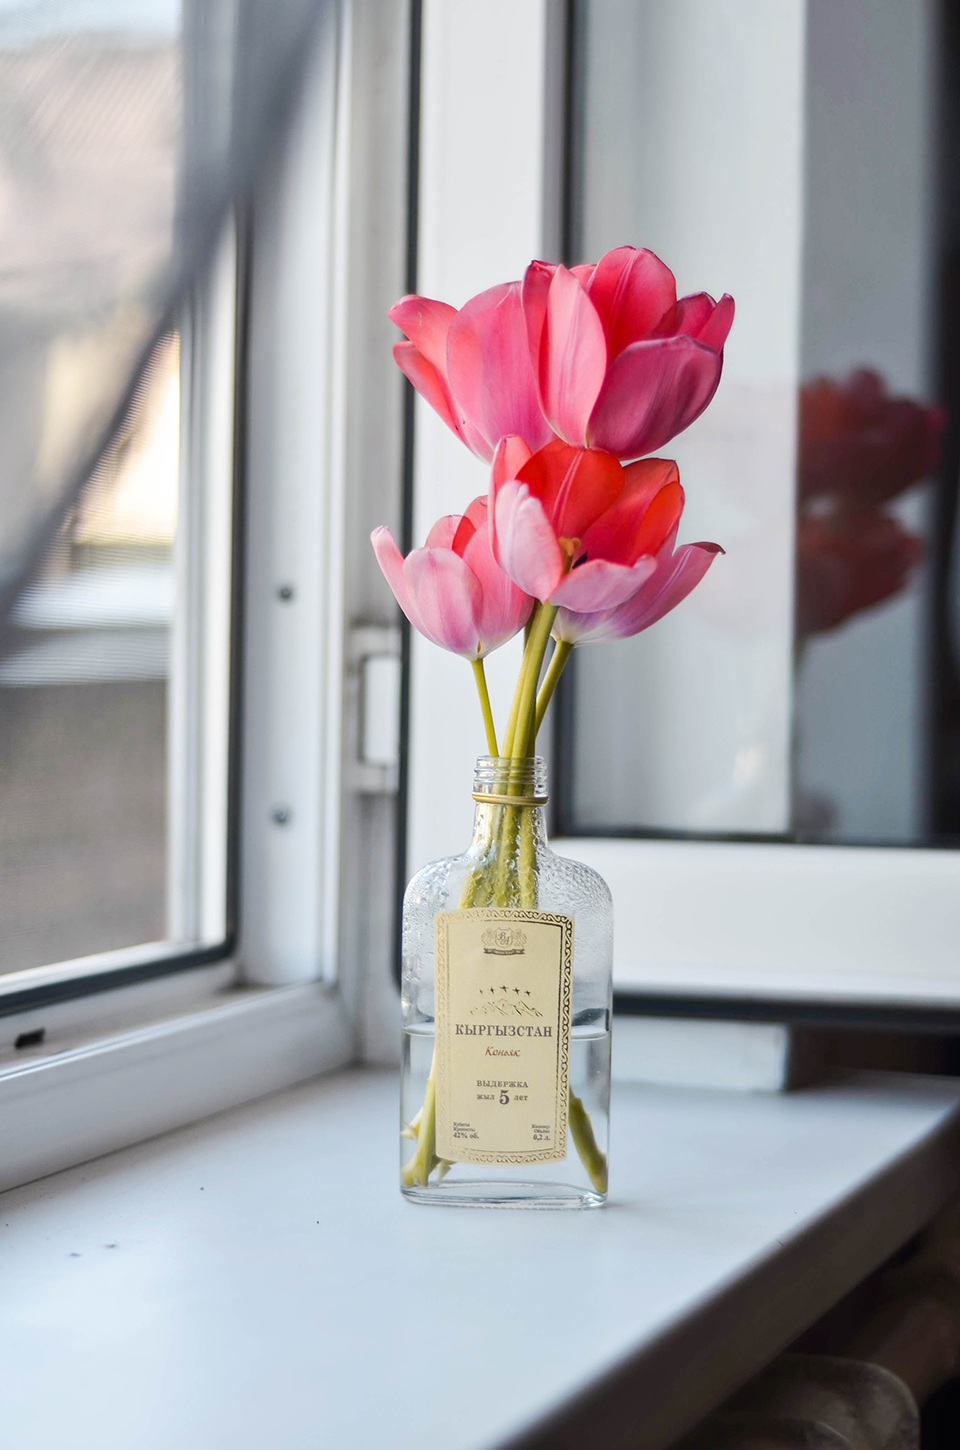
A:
x: 588, y: 879
x: 437, y: 884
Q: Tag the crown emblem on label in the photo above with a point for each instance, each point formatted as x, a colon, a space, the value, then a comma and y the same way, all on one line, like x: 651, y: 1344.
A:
x: 504, y: 941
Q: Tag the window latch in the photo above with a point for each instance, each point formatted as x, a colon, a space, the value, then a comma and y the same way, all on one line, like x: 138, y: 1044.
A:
x: 374, y: 678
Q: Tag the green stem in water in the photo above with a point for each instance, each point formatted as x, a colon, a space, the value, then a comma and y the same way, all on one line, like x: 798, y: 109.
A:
x: 581, y: 1130
x: 480, y: 676
x: 527, y: 859
x: 416, y: 1173
x: 559, y: 658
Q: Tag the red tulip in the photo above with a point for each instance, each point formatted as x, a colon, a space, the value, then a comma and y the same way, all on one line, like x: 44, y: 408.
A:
x: 621, y: 364
x: 573, y: 527
x: 473, y: 366
x: 452, y: 590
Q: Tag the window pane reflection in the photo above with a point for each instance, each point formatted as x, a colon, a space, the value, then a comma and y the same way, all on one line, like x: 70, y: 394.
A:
x: 792, y: 155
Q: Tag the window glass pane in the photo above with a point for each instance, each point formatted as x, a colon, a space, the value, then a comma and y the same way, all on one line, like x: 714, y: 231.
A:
x: 800, y: 156
x: 115, y: 579
x: 89, y: 159
x: 83, y: 708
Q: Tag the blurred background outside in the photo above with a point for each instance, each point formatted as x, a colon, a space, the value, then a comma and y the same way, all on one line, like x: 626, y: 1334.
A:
x: 90, y: 140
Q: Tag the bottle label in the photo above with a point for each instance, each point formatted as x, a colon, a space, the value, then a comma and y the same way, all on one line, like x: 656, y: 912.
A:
x: 504, y: 982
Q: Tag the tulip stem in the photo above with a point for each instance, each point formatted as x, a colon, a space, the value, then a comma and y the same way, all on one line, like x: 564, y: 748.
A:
x: 558, y: 659
x: 525, y: 737
x: 509, y: 735
x: 480, y: 676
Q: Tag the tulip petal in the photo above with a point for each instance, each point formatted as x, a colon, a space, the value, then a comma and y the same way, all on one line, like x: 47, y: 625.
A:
x: 428, y: 382
x: 448, y: 599
x: 631, y: 289
x: 526, y: 544
x: 444, y: 531
x: 511, y: 455
x: 653, y: 391
x: 489, y: 369
x: 533, y: 295
x: 642, y: 518
x: 600, y: 584
x: 687, y: 316
x: 505, y: 608
x: 390, y: 560
x: 474, y: 518
x: 426, y: 323
x: 717, y: 329
x: 675, y: 577
x: 574, y: 485
x: 572, y: 360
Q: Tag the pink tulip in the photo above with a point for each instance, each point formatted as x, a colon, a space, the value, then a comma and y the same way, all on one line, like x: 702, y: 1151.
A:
x: 452, y: 590
x: 621, y: 364
x: 473, y: 366
x: 574, y: 528
x: 675, y: 575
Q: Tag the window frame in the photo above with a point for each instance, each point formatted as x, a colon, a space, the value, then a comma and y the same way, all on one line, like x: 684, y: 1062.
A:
x: 664, y: 890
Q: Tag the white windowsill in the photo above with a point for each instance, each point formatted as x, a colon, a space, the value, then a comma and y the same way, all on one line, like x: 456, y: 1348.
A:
x: 159, y: 1056
x: 256, y: 1280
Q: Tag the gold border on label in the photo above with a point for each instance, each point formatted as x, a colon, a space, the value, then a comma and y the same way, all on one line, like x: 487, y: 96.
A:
x: 558, y: 1152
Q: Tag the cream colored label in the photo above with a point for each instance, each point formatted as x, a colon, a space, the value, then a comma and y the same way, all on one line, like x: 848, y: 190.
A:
x: 504, y: 984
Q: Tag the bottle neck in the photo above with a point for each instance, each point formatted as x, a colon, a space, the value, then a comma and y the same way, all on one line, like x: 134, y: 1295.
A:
x: 509, y: 790
x: 488, y: 818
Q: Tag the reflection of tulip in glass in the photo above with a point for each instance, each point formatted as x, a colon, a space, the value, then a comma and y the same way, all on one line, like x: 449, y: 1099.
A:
x: 601, y: 355
x: 849, y: 563
x: 859, y: 448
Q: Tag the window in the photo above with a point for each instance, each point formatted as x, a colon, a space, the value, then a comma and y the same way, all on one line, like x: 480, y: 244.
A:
x: 766, y: 779
x: 115, y: 673
x: 804, y: 684
x: 208, y: 584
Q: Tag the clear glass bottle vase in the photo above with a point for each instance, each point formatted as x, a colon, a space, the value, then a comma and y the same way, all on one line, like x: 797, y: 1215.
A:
x: 506, y: 993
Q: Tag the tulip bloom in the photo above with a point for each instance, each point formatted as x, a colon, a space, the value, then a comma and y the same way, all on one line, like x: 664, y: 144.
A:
x: 620, y: 363
x: 604, y: 356
x: 473, y: 366
x: 574, y: 528
x: 452, y: 590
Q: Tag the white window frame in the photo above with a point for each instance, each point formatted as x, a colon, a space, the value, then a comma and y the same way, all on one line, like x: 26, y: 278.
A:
x: 794, y: 927
x: 309, y: 985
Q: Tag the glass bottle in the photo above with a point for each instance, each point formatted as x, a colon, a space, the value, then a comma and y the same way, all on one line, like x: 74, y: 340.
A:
x: 506, y: 1000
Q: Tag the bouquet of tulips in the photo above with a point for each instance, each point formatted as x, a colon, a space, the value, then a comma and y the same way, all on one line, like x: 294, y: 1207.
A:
x: 564, y: 383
